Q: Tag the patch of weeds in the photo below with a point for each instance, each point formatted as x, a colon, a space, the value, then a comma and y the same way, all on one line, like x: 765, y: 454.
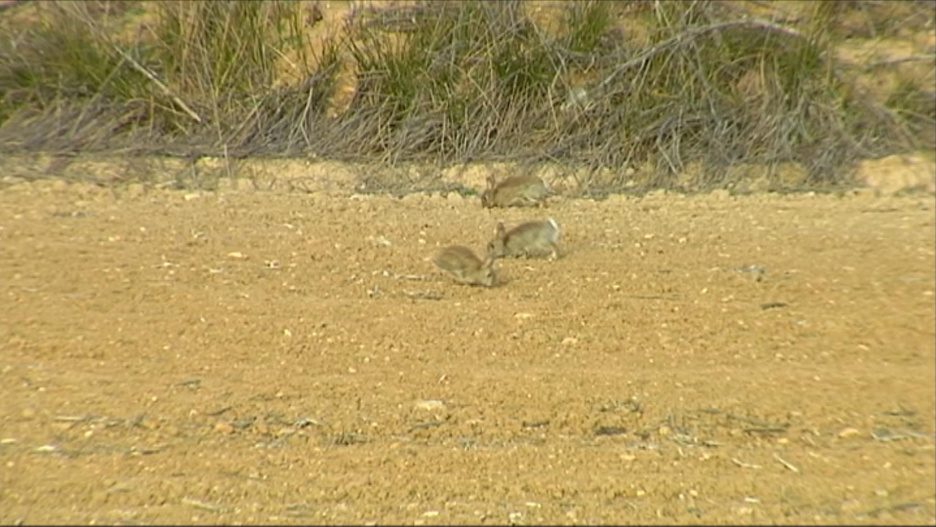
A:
x: 700, y: 92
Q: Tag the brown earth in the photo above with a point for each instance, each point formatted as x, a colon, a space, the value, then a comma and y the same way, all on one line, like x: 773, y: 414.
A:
x: 254, y: 357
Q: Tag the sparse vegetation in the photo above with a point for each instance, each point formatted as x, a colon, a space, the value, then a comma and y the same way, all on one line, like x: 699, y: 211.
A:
x: 634, y: 93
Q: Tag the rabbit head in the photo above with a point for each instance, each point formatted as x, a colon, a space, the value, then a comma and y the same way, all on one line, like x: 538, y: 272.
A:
x: 487, y: 197
x: 465, y: 267
x: 515, y: 191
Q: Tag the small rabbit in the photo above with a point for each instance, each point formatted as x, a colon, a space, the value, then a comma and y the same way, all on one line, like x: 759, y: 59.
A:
x: 515, y: 191
x: 466, y: 268
x: 533, y: 238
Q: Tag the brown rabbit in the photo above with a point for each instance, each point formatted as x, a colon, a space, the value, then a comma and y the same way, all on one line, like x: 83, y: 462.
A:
x: 530, y: 239
x: 515, y: 191
x: 461, y: 263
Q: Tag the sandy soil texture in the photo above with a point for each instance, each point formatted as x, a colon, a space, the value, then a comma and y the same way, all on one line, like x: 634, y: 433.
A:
x: 250, y: 357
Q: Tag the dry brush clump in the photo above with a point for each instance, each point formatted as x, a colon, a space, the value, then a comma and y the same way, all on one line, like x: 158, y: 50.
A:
x: 630, y: 93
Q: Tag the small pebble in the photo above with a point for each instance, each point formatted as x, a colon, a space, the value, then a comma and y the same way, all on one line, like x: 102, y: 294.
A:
x: 849, y: 432
x: 224, y: 428
x: 430, y: 404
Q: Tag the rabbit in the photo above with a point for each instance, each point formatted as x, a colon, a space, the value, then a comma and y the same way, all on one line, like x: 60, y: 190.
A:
x: 466, y: 268
x: 515, y: 191
x: 533, y: 238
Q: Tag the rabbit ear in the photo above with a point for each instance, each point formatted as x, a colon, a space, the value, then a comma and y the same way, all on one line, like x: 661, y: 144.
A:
x: 490, y: 180
x: 500, y: 232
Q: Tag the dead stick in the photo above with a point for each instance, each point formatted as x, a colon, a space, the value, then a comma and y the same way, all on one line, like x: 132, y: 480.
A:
x: 892, y: 62
x: 786, y: 463
x: 202, y: 505
x: 147, y: 73
x: 742, y: 464
x: 695, y: 32
x: 152, y: 76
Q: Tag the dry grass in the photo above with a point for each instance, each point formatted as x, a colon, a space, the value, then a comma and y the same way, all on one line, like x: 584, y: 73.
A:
x: 456, y: 82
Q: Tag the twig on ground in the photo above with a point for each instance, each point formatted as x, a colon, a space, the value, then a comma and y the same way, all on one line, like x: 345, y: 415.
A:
x: 742, y: 464
x: 198, y: 504
x: 786, y: 463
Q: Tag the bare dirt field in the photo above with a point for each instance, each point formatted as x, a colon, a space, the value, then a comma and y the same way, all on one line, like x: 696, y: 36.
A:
x: 256, y: 357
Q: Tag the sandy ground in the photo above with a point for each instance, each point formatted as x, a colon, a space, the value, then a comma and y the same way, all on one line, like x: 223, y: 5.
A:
x: 251, y: 357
